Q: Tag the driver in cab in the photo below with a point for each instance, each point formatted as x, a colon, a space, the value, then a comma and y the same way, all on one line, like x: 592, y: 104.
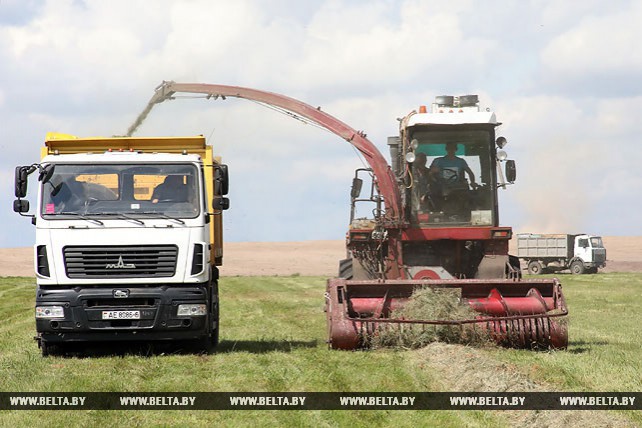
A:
x: 172, y: 189
x: 448, y: 188
x: 449, y: 170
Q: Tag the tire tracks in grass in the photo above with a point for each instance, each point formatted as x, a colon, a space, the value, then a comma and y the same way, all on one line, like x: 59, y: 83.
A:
x: 463, y: 368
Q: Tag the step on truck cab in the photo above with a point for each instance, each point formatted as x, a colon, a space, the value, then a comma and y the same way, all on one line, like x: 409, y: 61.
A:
x: 128, y: 239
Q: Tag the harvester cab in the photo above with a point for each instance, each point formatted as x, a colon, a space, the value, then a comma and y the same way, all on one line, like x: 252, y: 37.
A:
x: 448, y: 166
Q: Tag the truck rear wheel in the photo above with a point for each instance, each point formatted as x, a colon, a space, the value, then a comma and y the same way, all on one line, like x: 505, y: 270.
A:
x: 535, y: 267
x: 577, y: 267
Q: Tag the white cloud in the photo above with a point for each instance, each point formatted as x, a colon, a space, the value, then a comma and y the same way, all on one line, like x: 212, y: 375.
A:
x: 576, y: 160
x: 599, y: 43
x: 617, y: 122
x: 599, y: 54
x: 386, y: 43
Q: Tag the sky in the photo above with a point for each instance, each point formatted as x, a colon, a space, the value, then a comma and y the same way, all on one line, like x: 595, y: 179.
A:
x: 564, y: 78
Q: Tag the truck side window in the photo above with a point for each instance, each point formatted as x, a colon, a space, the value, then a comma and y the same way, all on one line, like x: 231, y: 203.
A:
x: 583, y: 243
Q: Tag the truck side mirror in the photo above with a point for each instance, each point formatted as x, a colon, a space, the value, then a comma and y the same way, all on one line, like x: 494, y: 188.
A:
x: 21, y: 206
x: 21, y: 181
x: 355, y: 191
x: 221, y: 180
x: 511, y: 171
x: 220, y: 203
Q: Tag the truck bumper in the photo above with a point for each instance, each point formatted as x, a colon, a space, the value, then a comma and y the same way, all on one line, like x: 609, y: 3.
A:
x: 119, y: 313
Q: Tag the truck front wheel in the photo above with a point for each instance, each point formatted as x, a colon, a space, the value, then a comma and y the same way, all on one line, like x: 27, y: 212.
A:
x: 535, y: 267
x: 210, y: 341
x: 577, y: 267
x: 47, y: 349
x: 215, y: 315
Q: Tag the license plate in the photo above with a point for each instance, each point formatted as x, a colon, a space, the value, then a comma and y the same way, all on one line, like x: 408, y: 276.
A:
x: 121, y: 315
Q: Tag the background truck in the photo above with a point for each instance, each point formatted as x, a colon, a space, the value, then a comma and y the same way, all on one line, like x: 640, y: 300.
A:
x: 128, y: 239
x: 544, y: 253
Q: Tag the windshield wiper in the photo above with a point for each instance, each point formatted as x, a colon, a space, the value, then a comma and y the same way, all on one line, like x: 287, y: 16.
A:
x: 125, y: 216
x: 163, y: 215
x: 82, y: 216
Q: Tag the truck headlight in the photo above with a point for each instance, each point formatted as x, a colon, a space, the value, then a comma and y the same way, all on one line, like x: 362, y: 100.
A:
x: 191, y: 310
x: 50, y: 312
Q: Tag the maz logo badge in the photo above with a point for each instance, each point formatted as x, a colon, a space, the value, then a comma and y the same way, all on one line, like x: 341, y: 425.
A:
x: 120, y: 294
x: 120, y: 265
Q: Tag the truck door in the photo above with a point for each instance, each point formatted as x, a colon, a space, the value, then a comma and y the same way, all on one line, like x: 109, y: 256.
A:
x: 583, y: 249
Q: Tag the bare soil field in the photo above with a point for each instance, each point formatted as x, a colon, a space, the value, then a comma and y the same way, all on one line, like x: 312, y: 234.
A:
x: 314, y: 258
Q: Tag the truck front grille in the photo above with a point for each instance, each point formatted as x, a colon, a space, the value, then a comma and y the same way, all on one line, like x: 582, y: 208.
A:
x: 115, y: 261
x: 599, y: 255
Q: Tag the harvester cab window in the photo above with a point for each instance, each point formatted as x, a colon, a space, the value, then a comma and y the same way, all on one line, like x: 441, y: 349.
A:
x: 141, y: 191
x: 453, y: 179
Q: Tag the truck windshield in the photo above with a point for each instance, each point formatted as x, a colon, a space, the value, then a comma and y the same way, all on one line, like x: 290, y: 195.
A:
x: 138, y: 191
x: 596, y: 242
x: 453, y: 178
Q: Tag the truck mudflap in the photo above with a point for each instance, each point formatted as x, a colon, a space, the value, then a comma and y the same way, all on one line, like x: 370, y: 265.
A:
x: 94, y: 314
x: 514, y: 313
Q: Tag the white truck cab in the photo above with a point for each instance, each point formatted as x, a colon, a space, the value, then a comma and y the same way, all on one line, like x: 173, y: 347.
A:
x: 590, y: 251
x: 127, y: 239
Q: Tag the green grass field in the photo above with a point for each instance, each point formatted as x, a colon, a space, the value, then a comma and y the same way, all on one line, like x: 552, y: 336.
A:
x: 273, y: 339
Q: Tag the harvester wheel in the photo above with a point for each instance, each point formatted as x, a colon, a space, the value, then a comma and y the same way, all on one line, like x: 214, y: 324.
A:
x: 577, y: 267
x: 514, y: 268
x: 535, y: 267
x: 351, y: 269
